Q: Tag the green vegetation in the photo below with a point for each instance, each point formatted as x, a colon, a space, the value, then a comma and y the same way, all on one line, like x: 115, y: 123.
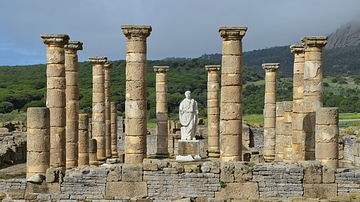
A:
x: 13, y: 116
x: 254, y: 118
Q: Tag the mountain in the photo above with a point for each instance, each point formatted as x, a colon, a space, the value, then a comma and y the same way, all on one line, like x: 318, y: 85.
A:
x: 347, y: 35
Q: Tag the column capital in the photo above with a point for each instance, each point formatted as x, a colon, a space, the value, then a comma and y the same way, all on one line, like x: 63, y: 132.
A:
x: 108, y: 65
x: 141, y: 31
x: 297, y: 48
x: 161, y: 69
x: 232, y: 33
x: 314, y: 41
x: 55, y: 39
x: 73, y: 45
x: 270, y: 67
x: 212, y: 67
x: 98, y: 59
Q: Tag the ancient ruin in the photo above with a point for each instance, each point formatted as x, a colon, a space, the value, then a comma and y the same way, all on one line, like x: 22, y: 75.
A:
x: 301, y: 142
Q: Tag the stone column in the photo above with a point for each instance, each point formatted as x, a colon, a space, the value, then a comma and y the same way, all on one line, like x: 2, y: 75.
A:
x: 135, y: 103
x: 313, y: 88
x: 298, y: 133
x: 213, y: 110
x: 270, y: 110
x: 327, y: 136
x: 93, y: 152
x: 107, y: 110
x: 55, y: 96
x: 114, y: 129
x: 98, y: 106
x: 38, y: 141
x: 83, y: 159
x: 72, y: 102
x: 231, y: 94
x: 279, y: 139
x: 287, y: 144
x: 161, y: 112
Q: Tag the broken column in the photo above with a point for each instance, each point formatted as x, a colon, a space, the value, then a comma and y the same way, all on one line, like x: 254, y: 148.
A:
x: 55, y: 96
x: 98, y: 106
x: 270, y: 110
x: 279, y: 139
x: 327, y: 136
x: 72, y: 102
x: 313, y: 88
x: 83, y: 159
x: 231, y: 93
x: 287, y: 144
x: 135, y: 102
x: 213, y: 110
x: 107, y: 110
x: 161, y: 112
x: 114, y: 129
x: 38, y: 141
x: 298, y: 133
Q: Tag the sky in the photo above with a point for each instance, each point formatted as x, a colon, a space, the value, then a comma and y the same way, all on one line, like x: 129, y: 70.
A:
x: 180, y: 28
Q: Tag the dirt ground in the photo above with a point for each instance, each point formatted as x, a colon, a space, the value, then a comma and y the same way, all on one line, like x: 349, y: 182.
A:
x: 13, y: 171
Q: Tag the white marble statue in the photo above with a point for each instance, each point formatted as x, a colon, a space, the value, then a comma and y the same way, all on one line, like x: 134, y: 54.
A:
x: 188, y: 115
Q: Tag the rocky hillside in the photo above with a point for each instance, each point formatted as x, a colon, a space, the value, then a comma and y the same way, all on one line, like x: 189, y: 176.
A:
x: 347, y: 35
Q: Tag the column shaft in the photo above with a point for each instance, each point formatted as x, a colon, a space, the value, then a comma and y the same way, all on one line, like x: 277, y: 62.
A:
x: 213, y: 110
x: 135, y: 103
x: 270, y: 111
x: 231, y: 94
x: 287, y: 144
x: 161, y: 112
x: 107, y: 110
x: 72, y: 102
x: 298, y: 133
x: 98, y: 106
x: 56, y: 98
x: 313, y: 88
x: 114, y: 129
x: 279, y: 140
x: 38, y: 141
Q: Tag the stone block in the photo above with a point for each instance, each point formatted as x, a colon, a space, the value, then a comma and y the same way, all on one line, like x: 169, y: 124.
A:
x: 126, y: 189
x: 249, y: 190
x: 312, y: 172
x: 52, y: 175
x: 114, y: 173
x: 188, y: 147
x: 15, y: 194
x: 242, y: 172
x: 323, y: 191
x: 328, y: 175
x: 132, y: 173
x: 227, y: 172
x: 214, y: 166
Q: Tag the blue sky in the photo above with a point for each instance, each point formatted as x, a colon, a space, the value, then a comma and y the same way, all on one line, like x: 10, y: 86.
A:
x: 186, y: 28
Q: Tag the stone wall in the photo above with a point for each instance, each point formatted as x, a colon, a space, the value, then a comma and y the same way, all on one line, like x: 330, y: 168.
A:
x: 206, y: 180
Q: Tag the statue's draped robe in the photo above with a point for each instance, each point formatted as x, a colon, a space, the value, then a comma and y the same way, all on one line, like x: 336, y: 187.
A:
x: 188, y: 115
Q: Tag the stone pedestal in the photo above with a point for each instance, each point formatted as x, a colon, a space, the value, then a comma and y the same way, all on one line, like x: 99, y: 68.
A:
x: 188, y: 147
x: 55, y: 96
x: 107, y: 110
x: 72, y: 102
x: 213, y: 110
x: 270, y: 111
x: 327, y: 137
x: 83, y: 159
x: 313, y: 88
x: 98, y: 106
x: 298, y: 133
x: 38, y: 141
x: 114, y: 129
x: 135, y: 102
x: 161, y: 112
x: 231, y: 93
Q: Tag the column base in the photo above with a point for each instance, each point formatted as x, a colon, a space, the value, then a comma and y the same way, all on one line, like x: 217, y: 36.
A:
x: 214, y: 153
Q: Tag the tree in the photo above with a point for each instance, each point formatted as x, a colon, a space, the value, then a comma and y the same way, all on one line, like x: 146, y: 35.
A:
x: 6, y: 107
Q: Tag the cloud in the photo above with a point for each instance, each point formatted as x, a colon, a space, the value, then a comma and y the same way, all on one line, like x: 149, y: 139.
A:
x: 184, y: 28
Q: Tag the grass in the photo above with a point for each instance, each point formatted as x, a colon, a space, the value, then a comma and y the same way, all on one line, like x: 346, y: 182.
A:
x: 13, y: 116
x: 349, y: 116
x: 254, y: 118
x: 151, y: 123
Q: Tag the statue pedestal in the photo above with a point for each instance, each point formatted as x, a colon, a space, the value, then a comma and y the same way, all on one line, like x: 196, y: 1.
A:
x: 188, y: 147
